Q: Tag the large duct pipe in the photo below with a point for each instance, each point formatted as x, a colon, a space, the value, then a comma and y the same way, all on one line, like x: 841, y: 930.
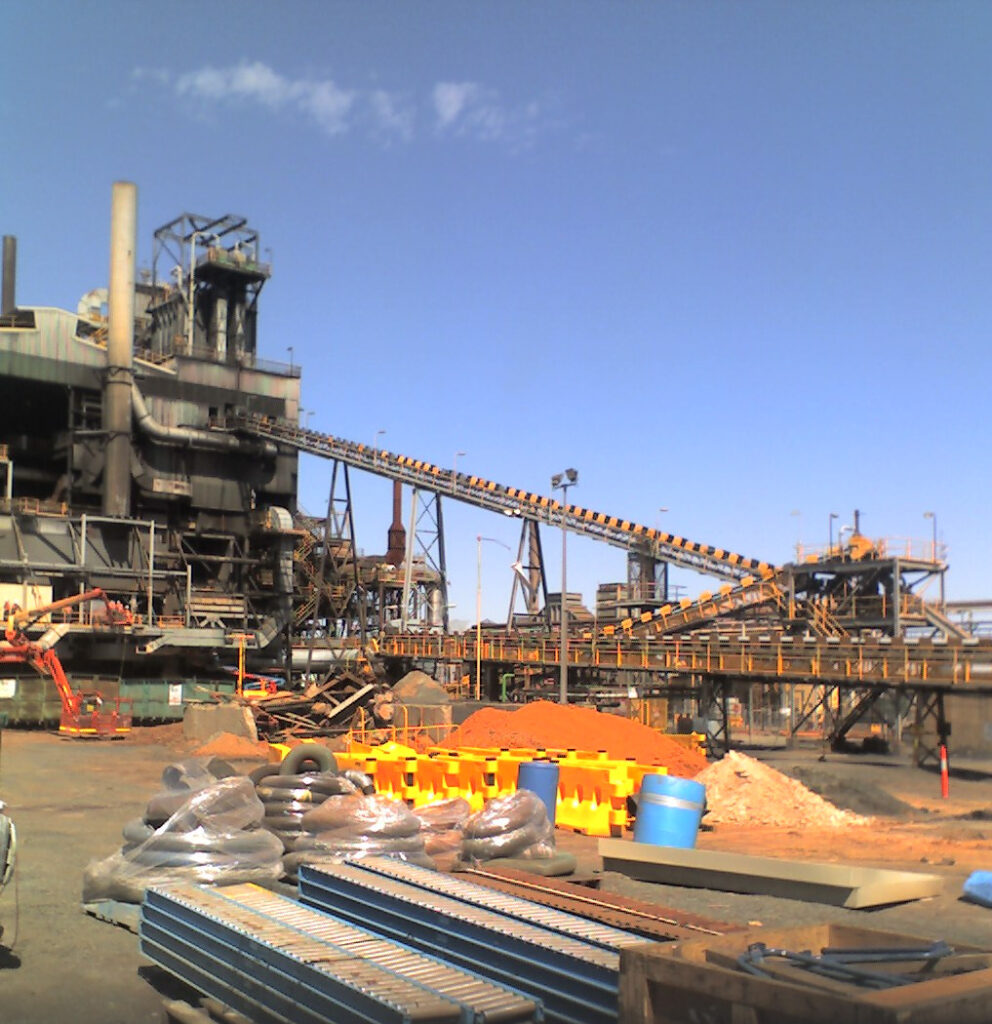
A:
x: 120, y: 343
x: 191, y: 437
x: 8, y: 297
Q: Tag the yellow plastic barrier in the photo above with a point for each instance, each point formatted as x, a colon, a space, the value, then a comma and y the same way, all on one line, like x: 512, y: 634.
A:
x: 593, y: 789
x: 693, y: 740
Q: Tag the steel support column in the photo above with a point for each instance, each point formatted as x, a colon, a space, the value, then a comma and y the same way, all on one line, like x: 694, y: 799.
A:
x: 929, y: 706
x: 713, y: 694
x: 529, y: 579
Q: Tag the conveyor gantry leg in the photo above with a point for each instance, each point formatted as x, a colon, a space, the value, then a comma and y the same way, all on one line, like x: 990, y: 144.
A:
x: 713, y: 709
x: 929, y: 705
x: 529, y: 577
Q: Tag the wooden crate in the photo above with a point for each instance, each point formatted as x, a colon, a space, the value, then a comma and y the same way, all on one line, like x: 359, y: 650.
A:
x: 698, y: 982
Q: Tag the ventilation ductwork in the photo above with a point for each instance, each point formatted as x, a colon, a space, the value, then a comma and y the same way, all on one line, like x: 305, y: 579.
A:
x: 191, y: 437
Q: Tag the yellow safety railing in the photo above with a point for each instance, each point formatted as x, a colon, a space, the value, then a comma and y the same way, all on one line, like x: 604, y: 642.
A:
x: 893, y: 662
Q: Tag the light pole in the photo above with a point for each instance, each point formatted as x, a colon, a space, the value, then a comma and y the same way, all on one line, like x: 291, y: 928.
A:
x: 454, y: 471
x: 289, y: 349
x: 564, y: 481
x: 375, y: 446
x: 932, y: 516
x: 478, y: 609
x: 840, y: 535
x: 799, y: 529
x: 933, y: 540
x: 830, y: 550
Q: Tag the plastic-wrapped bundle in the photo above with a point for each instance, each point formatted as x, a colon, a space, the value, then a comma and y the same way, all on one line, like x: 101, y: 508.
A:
x: 214, y: 837
x: 442, y: 824
x: 287, y: 798
x: 510, y: 826
x: 351, y: 827
x: 362, y: 780
x: 180, y: 779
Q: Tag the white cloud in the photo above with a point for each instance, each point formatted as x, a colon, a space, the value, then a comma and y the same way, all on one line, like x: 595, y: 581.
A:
x: 463, y: 109
x: 253, y: 81
x: 393, y: 113
x: 328, y: 105
x: 470, y: 110
x: 451, y: 98
x: 322, y: 99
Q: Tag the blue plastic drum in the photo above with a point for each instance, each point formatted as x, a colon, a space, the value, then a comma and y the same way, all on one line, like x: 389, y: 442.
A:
x: 540, y: 777
x: 669, y: 810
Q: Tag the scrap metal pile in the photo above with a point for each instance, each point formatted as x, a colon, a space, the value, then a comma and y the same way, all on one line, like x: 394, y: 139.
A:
x: 322, y: 709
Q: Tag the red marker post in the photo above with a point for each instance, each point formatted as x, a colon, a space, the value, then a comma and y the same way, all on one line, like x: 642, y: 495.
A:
x: 944, y: 780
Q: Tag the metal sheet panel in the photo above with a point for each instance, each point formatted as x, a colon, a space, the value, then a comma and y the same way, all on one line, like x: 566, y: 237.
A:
x: 840, y: 885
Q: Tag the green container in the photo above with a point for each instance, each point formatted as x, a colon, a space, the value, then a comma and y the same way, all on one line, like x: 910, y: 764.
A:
x: 33, y: 700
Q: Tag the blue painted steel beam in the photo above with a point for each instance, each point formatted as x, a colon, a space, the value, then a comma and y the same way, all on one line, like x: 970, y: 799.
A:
x: 574, y: 988
x: 514, y: 907
x: 289, y: 988
x: 243, y: 970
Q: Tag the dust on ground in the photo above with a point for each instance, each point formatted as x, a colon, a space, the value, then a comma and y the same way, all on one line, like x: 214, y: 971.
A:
x: 70, y: 799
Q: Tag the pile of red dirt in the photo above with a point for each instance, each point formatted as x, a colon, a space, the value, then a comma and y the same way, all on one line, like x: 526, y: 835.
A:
x: 544, y: 725
x: 226, y: 744
x: 170, y: 735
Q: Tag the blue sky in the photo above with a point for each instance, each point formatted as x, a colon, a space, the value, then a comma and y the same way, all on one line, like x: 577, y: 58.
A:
x: 729, y: 259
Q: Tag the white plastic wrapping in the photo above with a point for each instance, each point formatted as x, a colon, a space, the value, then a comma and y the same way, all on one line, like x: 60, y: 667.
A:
x: 509, y: 826
x: 442, y: 824
x: 213, y: 837
x: 288, y: 797
x: 356, y: 826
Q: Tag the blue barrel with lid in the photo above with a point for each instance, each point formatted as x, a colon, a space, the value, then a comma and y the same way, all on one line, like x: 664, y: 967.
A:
x: 540, y: 777
x: 669, y: 810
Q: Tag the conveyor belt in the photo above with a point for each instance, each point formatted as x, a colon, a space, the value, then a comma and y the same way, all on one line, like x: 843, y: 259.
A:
x: 466, y: 891
x: 691, y: 613
x: 275, y: 960
x: 514, y: 501
x: 577, y: 982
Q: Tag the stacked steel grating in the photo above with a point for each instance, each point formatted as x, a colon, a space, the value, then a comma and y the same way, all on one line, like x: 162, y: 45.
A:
x: 571, y: 964
x: 278, y: 962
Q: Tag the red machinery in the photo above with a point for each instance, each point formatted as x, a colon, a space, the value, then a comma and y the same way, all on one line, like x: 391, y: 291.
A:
x: 84, y: 712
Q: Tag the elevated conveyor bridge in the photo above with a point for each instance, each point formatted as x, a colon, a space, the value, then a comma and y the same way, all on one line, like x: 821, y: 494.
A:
x: 662, y: 646
x: 712, y: 669
x: 961, y: 667
x: 513, y: 501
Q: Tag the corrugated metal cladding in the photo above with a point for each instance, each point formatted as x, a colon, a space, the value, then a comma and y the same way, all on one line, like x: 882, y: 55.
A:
x: 206, y: 394
x: 53, y: 352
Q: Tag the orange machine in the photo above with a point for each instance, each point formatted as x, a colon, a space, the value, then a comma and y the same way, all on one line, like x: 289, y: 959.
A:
x: 84, y: 712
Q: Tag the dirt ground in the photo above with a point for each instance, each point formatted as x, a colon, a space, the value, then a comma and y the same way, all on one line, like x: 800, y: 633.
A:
x: 69, y: 800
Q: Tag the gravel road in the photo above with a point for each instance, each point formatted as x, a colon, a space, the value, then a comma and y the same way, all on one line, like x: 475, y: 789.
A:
x: 69, y: 800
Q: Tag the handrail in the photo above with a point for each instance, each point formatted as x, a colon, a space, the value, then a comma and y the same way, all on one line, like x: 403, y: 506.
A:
x: 512, y: 501
x: 924, y: 663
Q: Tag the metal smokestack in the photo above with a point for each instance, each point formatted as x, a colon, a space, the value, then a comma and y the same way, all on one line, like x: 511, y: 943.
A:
x: 120, y: 342
x: 8, y: 299
x: 396, y: 540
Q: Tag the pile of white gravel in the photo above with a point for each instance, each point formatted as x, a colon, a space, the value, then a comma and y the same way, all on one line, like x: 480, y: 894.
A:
x: 741, y: 790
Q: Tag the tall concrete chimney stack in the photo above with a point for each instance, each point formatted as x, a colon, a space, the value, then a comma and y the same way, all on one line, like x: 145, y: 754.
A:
x: 8, y: 299
x: 120, y: 342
